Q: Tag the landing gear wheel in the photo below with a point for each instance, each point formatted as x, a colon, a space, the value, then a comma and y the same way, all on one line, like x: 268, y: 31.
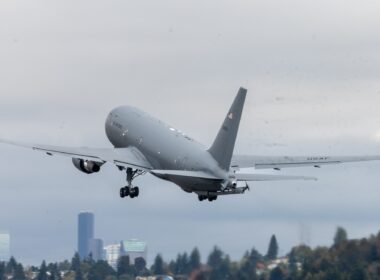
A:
x: 212, y: 197
x: 124, y: 192
x: 200, y: 197
x: 136, y: 191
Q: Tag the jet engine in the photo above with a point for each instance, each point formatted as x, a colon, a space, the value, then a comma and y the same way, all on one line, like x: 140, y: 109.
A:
x: 87, y: 166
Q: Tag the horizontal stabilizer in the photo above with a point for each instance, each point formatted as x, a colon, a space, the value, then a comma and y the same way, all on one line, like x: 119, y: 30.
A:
x: 269, y: 177
x: 278, y: 162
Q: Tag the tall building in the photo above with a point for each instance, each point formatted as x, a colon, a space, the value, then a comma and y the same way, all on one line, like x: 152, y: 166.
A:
x: 85, y: 233
x: 134, y: 249
x: 113, y: 253
x: 4, y: 246
x: 96, y: 249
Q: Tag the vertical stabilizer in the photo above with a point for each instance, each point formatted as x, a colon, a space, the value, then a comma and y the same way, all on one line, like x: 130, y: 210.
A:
x: 224, y: 144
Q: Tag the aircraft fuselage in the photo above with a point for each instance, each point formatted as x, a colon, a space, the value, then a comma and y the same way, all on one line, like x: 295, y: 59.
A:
x: 163, y: 146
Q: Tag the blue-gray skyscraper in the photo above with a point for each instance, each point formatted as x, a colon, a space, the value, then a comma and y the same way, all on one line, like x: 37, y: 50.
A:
x: 4, y: 246
x: 85, y: 233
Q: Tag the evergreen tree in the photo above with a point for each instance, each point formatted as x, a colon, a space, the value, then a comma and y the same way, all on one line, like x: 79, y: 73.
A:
x: 54, y: 271
x: 273, y: 248
x: 76, y: 267
x: 158, y: 268
x: 215, y: 258
x: 19, y: 273
x: 11, y: 266
x: 124, y: 266
x: 140, y: 265
x: 42, y: 273
x: 340, y: 236
x: 100, y: 270
x: 75, y: 262
x: 219, y: 264
x: 248, y: 266
x: 277, y: 274
x: 2, y: 270
x: 195, y: 260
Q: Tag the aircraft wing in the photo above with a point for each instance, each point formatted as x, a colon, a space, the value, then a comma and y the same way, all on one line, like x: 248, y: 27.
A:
x: 125, y: 157
x: 267, y: 162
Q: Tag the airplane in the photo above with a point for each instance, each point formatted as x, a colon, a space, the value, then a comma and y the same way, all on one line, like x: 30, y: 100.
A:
x: 143, y: 144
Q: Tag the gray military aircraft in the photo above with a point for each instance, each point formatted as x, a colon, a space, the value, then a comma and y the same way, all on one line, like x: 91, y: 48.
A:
x: 145, y: 144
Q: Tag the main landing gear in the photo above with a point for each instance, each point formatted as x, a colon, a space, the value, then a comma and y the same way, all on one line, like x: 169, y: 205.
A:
x: 209, y: 197
x: 130, y: 190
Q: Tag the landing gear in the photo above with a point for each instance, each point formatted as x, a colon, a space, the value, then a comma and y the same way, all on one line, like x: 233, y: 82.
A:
x: 209, y: 197
x: 130, y: 190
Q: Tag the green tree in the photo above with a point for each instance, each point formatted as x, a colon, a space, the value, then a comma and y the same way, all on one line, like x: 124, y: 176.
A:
x: 272, y: 248
x: 100, y: 270
x: 126, y: 277
x: 124, y: 266
x: 220, y: 264
x: 248, y: 265
x: 158, y: 268
x: 195, y: 260
x: 2, y: 270
x: 19, y: 273
x: 64, y: 266
x: 140, y: 265
x: 215, y: 258
x: 42, y: 272
x: 75, y: 262
x: 340, y: 236
x: 54, y: 271
x: 11, y: 266
x: 76, y: 267
x: 277, y: 274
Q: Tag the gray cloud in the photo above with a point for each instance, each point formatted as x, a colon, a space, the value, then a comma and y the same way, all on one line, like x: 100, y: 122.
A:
x: 312, y: 72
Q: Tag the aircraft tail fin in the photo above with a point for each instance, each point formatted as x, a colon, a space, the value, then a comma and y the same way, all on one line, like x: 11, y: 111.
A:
x: 223, y: 146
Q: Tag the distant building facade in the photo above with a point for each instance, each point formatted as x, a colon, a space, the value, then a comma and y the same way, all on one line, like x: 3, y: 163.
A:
x: 5, y: 246
x: 134, y: 249
x: 85, y: 233
x: 113, y: 253
x: 96, y: 249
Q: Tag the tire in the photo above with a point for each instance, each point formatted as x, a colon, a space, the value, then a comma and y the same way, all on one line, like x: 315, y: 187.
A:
x: 122, y: 194
x: 136, y: 191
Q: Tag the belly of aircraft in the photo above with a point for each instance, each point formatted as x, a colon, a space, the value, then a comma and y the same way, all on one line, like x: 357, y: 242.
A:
x: 192, y: 184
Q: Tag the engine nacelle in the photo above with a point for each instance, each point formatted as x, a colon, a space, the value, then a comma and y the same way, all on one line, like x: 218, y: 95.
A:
x: 87, y: 166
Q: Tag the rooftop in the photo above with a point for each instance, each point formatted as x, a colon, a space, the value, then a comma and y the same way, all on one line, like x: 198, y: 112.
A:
x: 134, y: 245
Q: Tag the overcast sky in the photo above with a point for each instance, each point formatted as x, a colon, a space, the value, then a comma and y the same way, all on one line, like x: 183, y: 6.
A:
x: 312, y: 72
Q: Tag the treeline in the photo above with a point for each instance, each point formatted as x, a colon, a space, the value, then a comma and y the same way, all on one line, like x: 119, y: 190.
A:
x: 344, y: 260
